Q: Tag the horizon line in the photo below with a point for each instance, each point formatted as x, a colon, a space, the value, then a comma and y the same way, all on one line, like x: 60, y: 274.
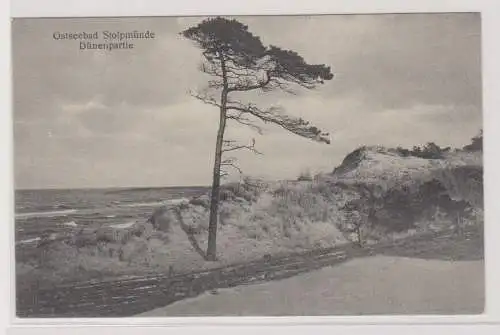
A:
x: 105, y: 187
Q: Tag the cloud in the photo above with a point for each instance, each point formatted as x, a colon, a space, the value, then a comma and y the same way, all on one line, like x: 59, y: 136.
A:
x: 87, y: 118
x: 389, y: 60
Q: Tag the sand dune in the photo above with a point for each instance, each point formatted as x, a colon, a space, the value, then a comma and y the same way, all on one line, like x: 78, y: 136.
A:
x: 375, y: 285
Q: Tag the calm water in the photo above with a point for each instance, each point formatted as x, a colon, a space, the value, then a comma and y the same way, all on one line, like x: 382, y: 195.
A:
x: 39, y: 211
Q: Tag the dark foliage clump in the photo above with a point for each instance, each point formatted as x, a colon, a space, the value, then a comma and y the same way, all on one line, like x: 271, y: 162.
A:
x: 351, y: 161
x: 305, y: 176
x: 400, y: 209
x: 430, y: 151
x: 476, y: 143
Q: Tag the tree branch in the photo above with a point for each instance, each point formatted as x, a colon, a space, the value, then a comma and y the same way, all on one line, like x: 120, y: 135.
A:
x: 276, y: 83
x: 244, y: 88
x: 211, y: 69
x: 274, y: 115
x: 205, y: 98
x: 232, y: 165
x: 245, y: 121
x: 232, y: 147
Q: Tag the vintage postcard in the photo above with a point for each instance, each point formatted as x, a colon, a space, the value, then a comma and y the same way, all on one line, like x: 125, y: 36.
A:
x: 299, y: 165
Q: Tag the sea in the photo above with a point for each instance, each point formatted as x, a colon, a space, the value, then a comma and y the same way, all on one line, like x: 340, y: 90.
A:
x: 39, y: 212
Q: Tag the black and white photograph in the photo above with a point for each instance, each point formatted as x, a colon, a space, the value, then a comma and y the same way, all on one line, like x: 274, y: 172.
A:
x: 286, y: 165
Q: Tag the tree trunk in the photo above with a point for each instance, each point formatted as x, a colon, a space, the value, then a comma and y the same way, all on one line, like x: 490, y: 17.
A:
x: 214, y: 198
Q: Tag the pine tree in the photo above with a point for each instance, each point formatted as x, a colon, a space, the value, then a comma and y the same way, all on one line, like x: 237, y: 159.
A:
x: 239, y: 62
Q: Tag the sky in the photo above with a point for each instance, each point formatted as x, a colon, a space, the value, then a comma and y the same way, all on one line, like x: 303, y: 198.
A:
x: 122, y: 118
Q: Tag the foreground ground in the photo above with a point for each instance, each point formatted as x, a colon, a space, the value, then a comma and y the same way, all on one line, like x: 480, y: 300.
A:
x: 380, y: 280
x: 372, y: 285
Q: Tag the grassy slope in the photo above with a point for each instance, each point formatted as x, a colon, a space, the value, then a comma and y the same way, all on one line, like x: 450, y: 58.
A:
x: 256, y: 220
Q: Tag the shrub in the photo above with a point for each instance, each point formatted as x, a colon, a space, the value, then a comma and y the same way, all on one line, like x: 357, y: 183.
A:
x: 203, y: 201
x: 351, y: 161
x: 163, y: 218
x: 403, y: 152
x: 429, y: 151
x: 476, y: 143
x: 305, y: 176
x: 248, y: 190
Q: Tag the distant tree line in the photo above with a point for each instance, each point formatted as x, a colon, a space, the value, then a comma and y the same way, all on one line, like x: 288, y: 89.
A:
x: 429, y: 151
x: 476, y: 143
x: 433, y: 151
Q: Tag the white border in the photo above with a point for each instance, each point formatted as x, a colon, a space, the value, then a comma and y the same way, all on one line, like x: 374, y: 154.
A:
x: 60, y: 8
x: 252, y: 330
x: 491, y: 73
x: 6, y: 175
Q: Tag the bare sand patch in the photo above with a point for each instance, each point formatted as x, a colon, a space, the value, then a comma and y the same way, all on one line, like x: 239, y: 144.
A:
x: 374, y: 285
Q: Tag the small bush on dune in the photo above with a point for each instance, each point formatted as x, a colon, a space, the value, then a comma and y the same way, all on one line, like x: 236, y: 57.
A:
x: 305, y: 176
x: 91, y: 236
x: 225, y: 215
x: 164, y: 218
x: 351, y: 161
x: 83, y: 238
x: 195, y: 220
x: 403, y: 152
x: 202, y: 201
x: 429, y: 151
x: 248, y: 189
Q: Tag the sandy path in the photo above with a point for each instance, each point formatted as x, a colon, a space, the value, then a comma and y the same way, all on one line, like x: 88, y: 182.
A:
x: 374, y: 285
